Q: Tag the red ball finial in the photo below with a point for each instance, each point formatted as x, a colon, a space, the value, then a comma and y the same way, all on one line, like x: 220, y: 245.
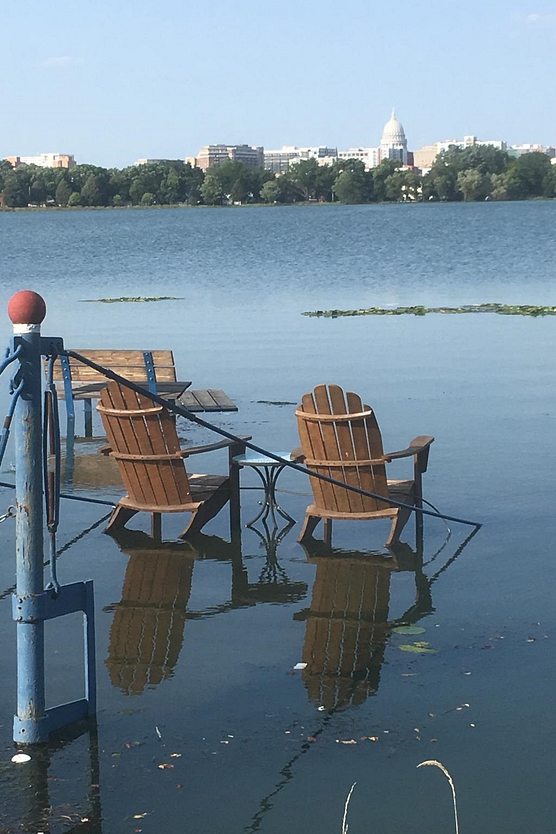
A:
x: 26, y: 307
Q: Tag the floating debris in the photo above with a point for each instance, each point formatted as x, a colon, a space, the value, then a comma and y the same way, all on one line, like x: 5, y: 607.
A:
x: 419, y: 310
x: 300, y: 666
x: 20, y: 758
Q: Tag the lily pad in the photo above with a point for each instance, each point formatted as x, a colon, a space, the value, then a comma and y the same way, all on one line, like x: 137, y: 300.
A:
x: 408, y: 630
x: 417, y: 648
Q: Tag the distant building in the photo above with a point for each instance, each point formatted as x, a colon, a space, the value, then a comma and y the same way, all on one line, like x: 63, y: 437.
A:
x: 369, y: 156
x: 424, y: 158
x: 213, y: 154
x: 519, y: 150
x: 393, y: 144
x: 154, y: 161
x: 469, y: 142
x: 278, y: 161
x: 44, y: 160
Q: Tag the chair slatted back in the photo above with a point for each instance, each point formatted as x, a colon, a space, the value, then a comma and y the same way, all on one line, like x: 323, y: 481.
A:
x: 340, y: 438
x: 144, y: 441
x: 128, y: 363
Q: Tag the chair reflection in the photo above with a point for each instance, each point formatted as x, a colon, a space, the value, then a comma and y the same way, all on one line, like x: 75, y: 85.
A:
x: 347, y: 625
x: 147, y: 631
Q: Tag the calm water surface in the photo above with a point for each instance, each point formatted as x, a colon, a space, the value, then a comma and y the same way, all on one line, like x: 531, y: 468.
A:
x: 196, y: 645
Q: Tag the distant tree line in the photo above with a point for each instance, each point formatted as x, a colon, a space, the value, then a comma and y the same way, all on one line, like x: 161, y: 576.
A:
x: 471, y: 174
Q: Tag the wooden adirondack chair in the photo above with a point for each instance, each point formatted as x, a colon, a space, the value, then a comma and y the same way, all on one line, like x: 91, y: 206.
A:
x: 143, y: 440
x: 340, y: 438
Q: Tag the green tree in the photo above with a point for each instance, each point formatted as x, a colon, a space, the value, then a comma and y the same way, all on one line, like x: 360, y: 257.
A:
x: 5, y: 169
x: 74, y: 199
x: 270, y: 192
x: 14, y: 194
x: 350, y: 186
x: 90, y: 193
x: 148, y: 198
x: 473, y: 184
x: 37, y: 190
x: 117, y: 200
x: 63, y: 193
x: 499, y: 186
x: 136, y: 191
x: 380, y: 176
x: 305, y: 176
x: 530, y: 176
x: 212, y: 191
x: 78, y: 176
x: 170, y: 190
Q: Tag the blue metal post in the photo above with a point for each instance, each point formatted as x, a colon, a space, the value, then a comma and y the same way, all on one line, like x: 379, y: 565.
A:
x: 30, y: 723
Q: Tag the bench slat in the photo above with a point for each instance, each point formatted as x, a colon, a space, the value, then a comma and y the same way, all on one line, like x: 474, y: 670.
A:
x: 207, y: 399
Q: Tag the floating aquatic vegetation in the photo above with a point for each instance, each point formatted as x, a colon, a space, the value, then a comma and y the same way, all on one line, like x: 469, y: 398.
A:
x: 132, y: 299
x: 275, y: 402
x: 408, y: 630
x: 419, y: 647
x: 419, y: 310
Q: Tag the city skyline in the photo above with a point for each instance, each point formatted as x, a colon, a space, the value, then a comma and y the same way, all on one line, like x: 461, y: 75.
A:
x: 112, y: 83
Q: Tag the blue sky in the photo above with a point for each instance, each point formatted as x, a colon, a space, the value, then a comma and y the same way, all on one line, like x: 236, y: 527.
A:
x: 112, y: 81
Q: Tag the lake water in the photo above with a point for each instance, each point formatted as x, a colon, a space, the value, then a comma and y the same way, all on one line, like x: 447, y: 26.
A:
x: 196, y: 645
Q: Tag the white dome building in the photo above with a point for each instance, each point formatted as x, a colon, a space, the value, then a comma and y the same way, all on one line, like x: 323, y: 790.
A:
x: 393, y: 144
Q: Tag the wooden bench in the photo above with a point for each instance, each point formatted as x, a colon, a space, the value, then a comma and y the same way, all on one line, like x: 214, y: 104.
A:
x: 153, y: 368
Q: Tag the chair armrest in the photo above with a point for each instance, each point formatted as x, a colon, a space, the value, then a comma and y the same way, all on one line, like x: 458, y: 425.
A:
x: 416, y: 447
x: 210, y: 447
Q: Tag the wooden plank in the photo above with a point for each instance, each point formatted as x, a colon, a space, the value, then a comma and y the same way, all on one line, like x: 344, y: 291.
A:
x: 210, y: 399
x: 362, y: 452
x: 117, y: 440
x: 93, y: 390
x: 189, y: 400
x: 312, y: 445
x: 338, y: 500
x: 206, y: 401
x: 347, y: 450
x: 129, y: 363
x: 222, y: 400
x: 156, y: 434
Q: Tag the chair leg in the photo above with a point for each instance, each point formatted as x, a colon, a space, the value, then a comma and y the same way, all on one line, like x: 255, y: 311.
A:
x: 309, y: 525
x: 206, y: 511
x: 156, y: 526
x: 398, y: 524
x: 119, y: 518
x: 328, y: 531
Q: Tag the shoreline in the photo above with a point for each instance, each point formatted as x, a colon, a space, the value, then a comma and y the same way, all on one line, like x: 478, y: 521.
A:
x: 301, y: 203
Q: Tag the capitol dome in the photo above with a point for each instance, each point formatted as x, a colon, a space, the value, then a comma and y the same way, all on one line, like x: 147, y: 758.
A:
x: 393, y: 133
x: 393, y: 144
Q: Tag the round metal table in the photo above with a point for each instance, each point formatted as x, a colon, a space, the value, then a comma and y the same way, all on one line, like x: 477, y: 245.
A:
x: 268, y: 471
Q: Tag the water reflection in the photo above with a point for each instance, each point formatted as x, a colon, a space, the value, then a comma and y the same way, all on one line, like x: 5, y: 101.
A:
x: 347, y: 631
x: 347, y: 625
x: 147, y: 631
x: 37, y: 784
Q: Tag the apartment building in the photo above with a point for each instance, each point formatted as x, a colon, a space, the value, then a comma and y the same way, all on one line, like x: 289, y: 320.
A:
x: 44, y: 160
x: 213, y: 154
